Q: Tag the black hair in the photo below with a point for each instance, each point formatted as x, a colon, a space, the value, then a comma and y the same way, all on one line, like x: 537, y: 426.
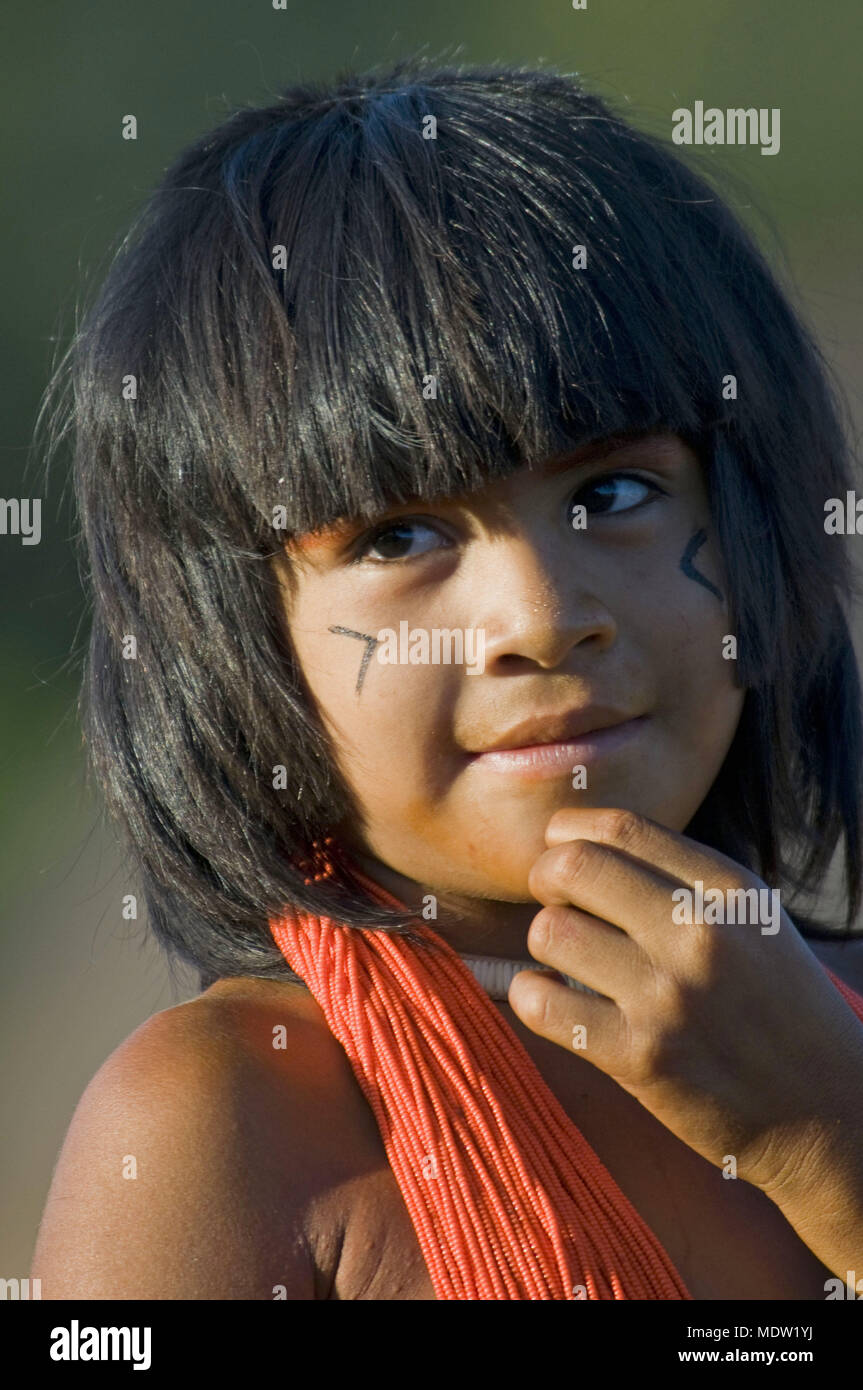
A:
x: 298, y: 378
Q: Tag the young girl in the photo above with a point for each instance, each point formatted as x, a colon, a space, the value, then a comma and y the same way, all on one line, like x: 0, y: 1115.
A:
x: 470, y: 675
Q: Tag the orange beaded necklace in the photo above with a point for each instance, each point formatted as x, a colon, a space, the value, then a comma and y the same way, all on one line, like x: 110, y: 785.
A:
x: 507, y: 1198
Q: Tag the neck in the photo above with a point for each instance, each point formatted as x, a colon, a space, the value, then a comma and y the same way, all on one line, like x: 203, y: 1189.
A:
x: 479, y: 926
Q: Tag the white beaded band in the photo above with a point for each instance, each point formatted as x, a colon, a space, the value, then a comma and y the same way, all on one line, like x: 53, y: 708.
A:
x: 494, y: 974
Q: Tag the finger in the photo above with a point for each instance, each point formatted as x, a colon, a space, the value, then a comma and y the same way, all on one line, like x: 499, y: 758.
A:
x: 587, y: 949
x: 607, y: 884
x: 666, y: 850
x: 587, y: 1026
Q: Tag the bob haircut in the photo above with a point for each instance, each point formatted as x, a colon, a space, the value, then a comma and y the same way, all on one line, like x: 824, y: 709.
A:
x: 295, y: 378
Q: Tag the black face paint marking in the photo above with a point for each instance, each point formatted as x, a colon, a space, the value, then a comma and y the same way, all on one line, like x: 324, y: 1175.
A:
x: 371, y: 642
x: 689, y: 569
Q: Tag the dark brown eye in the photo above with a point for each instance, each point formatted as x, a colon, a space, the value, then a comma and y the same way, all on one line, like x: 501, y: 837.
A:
x: 397, y: 541
x: 607, y: 490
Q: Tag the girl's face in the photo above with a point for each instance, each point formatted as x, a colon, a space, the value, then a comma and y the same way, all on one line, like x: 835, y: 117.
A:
x: 616, y: 606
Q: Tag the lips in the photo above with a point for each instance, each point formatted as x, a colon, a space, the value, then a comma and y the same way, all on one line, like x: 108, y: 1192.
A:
x: 555, y: 728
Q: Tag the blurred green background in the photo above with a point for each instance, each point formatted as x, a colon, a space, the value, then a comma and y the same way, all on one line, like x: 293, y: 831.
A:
x: 77, y: 979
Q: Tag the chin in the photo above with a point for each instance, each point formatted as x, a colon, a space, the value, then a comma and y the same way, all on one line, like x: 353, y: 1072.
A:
x: 509, y: 884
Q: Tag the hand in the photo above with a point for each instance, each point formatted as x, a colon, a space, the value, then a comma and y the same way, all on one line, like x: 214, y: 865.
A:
x: 732, y: 1035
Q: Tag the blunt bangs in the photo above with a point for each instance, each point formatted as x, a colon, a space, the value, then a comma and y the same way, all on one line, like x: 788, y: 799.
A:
x: 323, y: 311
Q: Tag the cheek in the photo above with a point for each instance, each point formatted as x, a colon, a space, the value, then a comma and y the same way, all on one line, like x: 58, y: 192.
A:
x: 674, y: 632
x: 331, y: 649
x: 697, y: 667
x: 391, y: 739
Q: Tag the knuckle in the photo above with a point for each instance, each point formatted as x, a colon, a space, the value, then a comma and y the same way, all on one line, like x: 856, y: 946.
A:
x: 650, y: 1060
x: 573, y: 856
x: 642, y: 1057
x: 541, y: 931
x: 671, y: 1004
x: 653, y: 1055
x: 536, y: 1005
x: 622, y: 826
x: 657, y: 1035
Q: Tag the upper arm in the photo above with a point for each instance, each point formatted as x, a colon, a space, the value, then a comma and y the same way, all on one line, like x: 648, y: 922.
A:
x: 177, y: 1179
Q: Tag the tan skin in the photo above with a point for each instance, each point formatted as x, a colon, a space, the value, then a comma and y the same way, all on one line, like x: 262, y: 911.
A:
x: 604, y: 615
x: 221, y: 1124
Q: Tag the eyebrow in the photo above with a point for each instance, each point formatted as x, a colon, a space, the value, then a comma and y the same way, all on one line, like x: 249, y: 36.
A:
x: 580, y: 456
x: 601, y: 448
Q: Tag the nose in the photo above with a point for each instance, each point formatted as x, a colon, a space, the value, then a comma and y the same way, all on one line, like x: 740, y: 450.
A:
x: 539, y: 607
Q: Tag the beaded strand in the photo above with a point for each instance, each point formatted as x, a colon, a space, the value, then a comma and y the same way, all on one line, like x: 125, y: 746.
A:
x: 518, y: 1205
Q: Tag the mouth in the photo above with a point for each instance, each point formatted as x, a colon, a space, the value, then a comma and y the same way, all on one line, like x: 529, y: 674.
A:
x: 553, y: 757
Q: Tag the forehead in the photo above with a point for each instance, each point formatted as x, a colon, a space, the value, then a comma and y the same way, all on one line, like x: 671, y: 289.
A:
x: 658, y: 444
x: 621, y: 448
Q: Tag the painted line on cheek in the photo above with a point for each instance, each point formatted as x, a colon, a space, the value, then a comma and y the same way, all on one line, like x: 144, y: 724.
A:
x: 371, y: 643
x: 689, y: 569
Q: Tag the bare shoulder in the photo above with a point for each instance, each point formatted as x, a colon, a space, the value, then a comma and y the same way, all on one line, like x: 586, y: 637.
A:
x: 201, y: 1154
